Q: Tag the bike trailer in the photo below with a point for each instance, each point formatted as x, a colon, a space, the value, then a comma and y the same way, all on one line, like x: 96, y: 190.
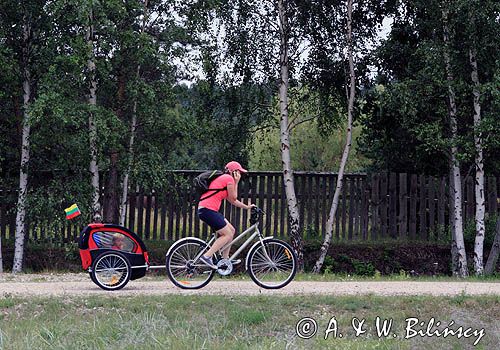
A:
x: 112, y: 255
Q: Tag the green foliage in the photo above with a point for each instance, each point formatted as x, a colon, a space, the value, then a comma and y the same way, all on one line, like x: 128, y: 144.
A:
x: 313, y: 147
x: 328, y: 264
x: 406, y: 127
x: 489, y: 235
x: 362, y: 268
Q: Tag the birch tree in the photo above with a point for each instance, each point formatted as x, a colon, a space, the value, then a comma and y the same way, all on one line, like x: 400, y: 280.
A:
x: 92, y: 101
x: 347, y: 147
x: 456, y: 189
x: 288, y: 179
x: 479, y: 183
x: 133, y: 128
x: 27, y: 36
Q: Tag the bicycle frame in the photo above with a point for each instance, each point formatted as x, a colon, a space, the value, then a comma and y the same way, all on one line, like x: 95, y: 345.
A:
x: 254, y: 227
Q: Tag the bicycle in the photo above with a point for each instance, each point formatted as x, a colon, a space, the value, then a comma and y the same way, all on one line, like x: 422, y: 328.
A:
x: 270, y: 262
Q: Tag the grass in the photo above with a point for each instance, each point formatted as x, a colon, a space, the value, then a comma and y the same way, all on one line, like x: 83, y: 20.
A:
x: 217, y: 322
x: 344, y: 277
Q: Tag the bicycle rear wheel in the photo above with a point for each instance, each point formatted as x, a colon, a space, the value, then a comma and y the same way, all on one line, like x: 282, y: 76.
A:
x: 182, y: 269
x: 273, y: 264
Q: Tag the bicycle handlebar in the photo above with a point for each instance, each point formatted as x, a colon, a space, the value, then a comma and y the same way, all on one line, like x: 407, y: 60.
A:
x: 256, y: 212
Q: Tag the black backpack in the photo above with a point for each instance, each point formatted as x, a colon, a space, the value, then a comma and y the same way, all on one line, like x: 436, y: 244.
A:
x: 202, y: 182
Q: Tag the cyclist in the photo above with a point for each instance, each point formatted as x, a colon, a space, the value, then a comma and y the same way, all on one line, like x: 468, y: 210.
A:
x: 210, y: 202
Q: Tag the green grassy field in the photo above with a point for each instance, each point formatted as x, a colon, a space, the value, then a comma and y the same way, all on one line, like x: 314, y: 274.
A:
x: 212, y: 322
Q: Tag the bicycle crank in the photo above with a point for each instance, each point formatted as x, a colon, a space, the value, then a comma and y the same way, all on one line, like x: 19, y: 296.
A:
x: 224, y: 267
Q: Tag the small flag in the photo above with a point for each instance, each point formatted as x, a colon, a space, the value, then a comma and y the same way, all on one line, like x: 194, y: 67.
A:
x: 72, y: 212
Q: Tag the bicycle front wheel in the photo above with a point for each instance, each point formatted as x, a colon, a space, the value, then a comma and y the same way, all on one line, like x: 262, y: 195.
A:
x: 183, y: 270
x: 273, y: 264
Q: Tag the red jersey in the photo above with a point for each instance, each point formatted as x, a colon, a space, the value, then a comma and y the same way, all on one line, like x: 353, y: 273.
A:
x: 215, y: 201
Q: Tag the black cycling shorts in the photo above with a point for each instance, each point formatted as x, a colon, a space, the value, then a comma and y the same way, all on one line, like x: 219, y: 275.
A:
x: 212, y: 218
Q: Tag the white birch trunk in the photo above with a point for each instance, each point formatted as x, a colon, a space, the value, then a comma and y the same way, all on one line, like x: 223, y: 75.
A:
x: 17, y: 265
x: 479, y: 183
x: 293, y: 210
x: 456, y: 189
x: 345, y: 154
x: 92, y: 101
x: 123, y: 202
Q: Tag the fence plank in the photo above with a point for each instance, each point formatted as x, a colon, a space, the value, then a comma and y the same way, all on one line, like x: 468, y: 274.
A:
x: 253, y: 189
x: 357, y: 217
x: 365, y: 208
x: 301, y: 199
x: 432, y: 207
x: 170, y: 217
x: 492, y: 195
x: 307, y: 205
x: 155, y: 216
x: 344, y: 207
x: 140, y: 214
x: 317, y: 201
x: 403, y: 207
x: 269, y: 204
x: 197, y: 223
x: 178, y: 217
x: 375, y: 200
x: 413, y: 206
x: 185, y: 204
x: 352, y: 206
x: 393, y: 205
x: 163, y: 218
x: 276, y: 196
x: 442, y: 203
x: 262, y: 186
x: 246, y: 197
x: 147, y: 225
x: 383, y: 204
x: 132, y: 200
x: 422, y: 207
x: 324, y: 204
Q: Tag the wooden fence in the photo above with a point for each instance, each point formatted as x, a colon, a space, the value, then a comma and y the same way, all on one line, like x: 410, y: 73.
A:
x: 371, y: 207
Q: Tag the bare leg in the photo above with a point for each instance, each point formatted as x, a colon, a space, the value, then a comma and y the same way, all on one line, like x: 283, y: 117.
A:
x: 225, y: 253
x: 226, y: 235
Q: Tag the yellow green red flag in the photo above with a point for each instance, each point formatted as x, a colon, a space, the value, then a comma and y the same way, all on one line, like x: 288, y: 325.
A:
x: 72, y: 212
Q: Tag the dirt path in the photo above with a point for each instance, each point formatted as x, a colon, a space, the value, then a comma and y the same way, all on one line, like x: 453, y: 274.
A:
x: 80, y: 284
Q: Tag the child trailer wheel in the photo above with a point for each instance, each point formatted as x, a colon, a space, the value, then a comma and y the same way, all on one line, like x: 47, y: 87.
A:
x: 111, y: 270
x: 112, y: 255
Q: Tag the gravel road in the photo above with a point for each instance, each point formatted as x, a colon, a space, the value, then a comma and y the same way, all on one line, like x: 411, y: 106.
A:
x: 80, y: 284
